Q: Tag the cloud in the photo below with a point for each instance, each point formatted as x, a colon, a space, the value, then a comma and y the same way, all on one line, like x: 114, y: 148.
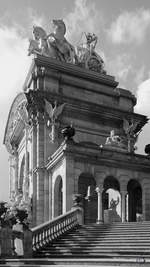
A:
x: 14, y: 62
x: 84, y: 18
x: 143, y: 97
x: 140, y: 74
x: 130, y: 27
x: 14, y: 66
x: 35, y: 19
x: 120, y: 66
x: 143, y: 107
x: 13, y: 69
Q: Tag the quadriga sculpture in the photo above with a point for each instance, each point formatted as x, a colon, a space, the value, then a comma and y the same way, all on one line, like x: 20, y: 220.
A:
x: 56, y: 46
x: 52, y: 45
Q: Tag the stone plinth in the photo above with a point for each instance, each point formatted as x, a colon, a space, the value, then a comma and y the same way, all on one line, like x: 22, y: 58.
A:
x: 111, y: 216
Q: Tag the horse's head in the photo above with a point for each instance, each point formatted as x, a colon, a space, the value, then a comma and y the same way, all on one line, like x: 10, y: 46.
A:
x: 39, y: 33
x: 59, y: 25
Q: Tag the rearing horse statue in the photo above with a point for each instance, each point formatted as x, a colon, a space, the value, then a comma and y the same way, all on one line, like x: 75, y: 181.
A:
x: 54, y: 44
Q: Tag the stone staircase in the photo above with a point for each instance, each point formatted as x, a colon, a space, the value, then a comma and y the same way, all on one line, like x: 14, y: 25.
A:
x: 118, y: 240
x: 118, y: 244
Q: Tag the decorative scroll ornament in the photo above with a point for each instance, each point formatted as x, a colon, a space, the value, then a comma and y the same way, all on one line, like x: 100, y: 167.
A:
x: 132, y: 131
x: 55, y: 45
x: 53, y: 113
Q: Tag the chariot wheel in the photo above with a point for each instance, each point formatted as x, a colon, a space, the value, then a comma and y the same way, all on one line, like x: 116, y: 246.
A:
x: 93, y: 63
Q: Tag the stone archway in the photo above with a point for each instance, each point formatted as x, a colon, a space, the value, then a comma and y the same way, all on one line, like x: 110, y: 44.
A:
x: 86, y: 187
x: 134, y: 203
x: 111, y: 193
x: 58, y: 196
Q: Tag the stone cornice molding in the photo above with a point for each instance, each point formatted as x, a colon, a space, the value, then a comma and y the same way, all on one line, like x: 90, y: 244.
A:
x: 41, y: 61
x: 85, y: 153
x: 64, y: 72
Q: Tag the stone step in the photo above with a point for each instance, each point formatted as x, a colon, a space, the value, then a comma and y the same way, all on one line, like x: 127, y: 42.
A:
x: 104, y: 238
x: 101, y: 244
x: 99, y: 248
x: 112, y: 231
x: 104, y: 235
x: 101, y: 241
x: 76, y: 262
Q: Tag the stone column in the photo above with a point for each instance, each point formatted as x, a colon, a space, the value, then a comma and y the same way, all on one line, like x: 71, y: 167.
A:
x: 46, y: 197
x: 100, y: 205
x: 50, y: 195
x: 33, y: 167
x: 40, y: 169
x: 11, y: 176
x: 16, y: 169
x: 123, y: 205
x: 123, y: 192
x: 26, y: 178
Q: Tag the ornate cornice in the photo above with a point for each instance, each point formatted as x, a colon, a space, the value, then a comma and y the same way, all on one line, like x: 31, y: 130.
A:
x: 95, y: 155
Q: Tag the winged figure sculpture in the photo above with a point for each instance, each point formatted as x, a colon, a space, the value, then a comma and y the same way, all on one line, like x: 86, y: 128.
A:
x: 130, y: 128
x: 53, y: 113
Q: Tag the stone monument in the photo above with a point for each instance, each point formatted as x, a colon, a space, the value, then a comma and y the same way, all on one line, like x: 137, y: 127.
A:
x: 57, y: 129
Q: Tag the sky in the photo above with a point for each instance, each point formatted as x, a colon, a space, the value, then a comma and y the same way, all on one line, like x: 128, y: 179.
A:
x: 123, y: 30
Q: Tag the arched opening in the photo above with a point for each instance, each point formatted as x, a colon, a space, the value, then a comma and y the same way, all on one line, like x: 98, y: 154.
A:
x: 58, y: 197
x: 86, y: 187
x: 134, y: 202
x: 111, y: 200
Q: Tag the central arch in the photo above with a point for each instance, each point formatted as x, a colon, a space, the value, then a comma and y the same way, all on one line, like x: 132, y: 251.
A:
x: 134, y: 200
x: 86, y: 187
x: 111, y: 192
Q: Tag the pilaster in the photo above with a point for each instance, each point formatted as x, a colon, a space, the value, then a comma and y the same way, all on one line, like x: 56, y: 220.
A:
x: 70, y: 173
x: 40, y: 169
x: 46, y: 197
x: 33, y: 167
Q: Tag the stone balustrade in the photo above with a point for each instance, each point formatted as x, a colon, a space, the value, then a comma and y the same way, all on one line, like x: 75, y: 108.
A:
x: 46, y: 232
x: 37, y: 237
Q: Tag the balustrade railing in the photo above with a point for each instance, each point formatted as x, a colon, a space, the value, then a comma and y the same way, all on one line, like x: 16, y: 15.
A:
x: 46, y: 232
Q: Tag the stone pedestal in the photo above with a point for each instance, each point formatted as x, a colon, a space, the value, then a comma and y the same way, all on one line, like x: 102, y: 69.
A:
x: 111, y: 216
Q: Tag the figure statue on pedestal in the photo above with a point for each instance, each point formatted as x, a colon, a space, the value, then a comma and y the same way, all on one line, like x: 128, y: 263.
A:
x: 115, y: 140
x: 114, y: 203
